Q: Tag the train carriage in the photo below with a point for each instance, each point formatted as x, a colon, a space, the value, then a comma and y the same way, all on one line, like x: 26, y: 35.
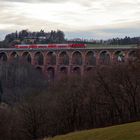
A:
x: 53, y: 46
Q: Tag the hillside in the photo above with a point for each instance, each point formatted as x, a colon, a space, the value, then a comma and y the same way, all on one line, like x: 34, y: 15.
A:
x: 129, y: 131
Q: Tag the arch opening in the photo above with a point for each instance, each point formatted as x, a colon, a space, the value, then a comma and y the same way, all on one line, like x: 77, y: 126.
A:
x: 77, y: 58
x: 63, y: 71
x: 119, y: 56
x: 63, y: 58
x: 50, y: 73
x: 39, y: 69
x: 89, y: 69
x: 90, y: 58
x: 27, y: 57
x: 51, y: 58
x: 14, y: 56
x: 104, y: 58
x: 38, y: 58
x: 77, y: 71
x: 3, y: 57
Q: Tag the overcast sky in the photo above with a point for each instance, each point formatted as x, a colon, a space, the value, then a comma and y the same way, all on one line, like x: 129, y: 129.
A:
x: 77, y: 18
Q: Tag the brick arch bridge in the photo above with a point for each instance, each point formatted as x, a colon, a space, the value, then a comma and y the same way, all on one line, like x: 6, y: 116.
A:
x: 56, y: 62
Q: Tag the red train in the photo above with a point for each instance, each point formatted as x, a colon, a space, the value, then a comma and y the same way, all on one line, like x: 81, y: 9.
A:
x: 53, y: 46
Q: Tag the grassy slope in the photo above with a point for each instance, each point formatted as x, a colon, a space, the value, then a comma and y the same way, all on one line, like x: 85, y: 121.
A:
x: 129, y: 131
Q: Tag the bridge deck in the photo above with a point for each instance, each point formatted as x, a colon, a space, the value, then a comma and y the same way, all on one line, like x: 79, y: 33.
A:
x: 89, y: 47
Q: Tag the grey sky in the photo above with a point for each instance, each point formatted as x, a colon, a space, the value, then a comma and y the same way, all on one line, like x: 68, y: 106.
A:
x: 77, y: 18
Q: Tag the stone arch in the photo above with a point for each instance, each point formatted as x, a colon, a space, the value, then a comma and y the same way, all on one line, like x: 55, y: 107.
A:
x: 76, y: 71
x: 27, y: 57
x: 77, y: 58
x: 90, y: 58
x: 14, y: 56
x: 3, y: 57
x: 63, y: 71
x: 104, y: 58
x: 51, y: 58
x: 39, y: 58
x: 50, y: 73
x: 118, y: 56
x: 63, y: 58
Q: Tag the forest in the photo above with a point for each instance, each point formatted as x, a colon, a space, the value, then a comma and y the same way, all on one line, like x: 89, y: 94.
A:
x: 32, y: 37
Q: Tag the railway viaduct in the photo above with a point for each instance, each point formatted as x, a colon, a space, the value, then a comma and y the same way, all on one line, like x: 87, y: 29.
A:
x: 63, y: 61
